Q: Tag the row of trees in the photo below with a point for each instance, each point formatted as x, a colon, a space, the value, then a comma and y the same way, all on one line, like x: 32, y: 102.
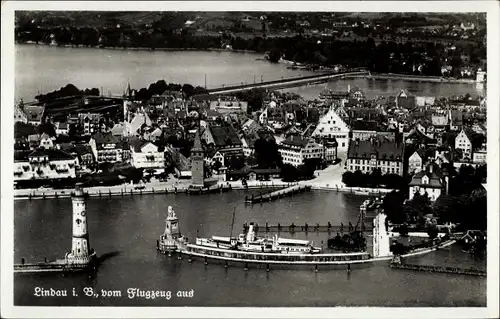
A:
x: 68, y: 90
x: 374, y: 179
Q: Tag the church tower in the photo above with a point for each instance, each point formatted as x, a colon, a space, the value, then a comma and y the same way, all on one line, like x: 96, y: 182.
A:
x: 197, y: 162
x: 80, y: 254
x: 127, y: 102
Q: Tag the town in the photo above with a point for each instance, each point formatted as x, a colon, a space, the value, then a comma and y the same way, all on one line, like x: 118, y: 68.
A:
x: 433, y: 151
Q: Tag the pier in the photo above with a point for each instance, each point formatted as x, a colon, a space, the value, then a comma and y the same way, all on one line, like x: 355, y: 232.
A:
x: 306, y: 227
x: 273, y: 195
x: 398, y: 263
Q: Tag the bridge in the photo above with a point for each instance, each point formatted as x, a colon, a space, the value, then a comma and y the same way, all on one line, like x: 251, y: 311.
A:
x: 289, y: 82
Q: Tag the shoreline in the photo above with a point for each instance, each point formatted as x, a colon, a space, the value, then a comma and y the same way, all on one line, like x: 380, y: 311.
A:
x: 81, y: 46
x: 181, y: 187
x: 371, y: 76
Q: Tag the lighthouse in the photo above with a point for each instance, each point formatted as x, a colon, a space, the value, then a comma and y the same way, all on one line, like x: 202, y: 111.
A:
x: 80, y: 254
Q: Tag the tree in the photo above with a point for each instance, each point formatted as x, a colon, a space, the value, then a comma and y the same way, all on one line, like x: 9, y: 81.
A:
x: 188, y: 90
x: 47, y: 128
x: 432, y: 232
x: 23, y: 129
x: 217, y: 165
x: 392, y: 205
x: 289, y: 173
x: 236, y: 163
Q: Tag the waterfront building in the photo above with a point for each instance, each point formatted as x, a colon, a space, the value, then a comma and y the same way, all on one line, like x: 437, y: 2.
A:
x: 197, y: 163
x: 44, y: 164
x: 295, y: 149
x: 331, y: 125
x: 128, y: 97
x: 253, y: 174
x: 145, y: 155
x: 429, y: 181
x: 375, y: 153
x: 109, y: 149
x: 463, y: 142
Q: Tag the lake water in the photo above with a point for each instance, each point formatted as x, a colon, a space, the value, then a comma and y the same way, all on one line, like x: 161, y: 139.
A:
x: 127, y: 228
x: 40, y: 68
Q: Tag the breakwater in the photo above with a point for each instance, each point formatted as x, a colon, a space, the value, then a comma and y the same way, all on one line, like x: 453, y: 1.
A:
x: 273, y: 195
x: 417, y: 78
x: 440, y: 269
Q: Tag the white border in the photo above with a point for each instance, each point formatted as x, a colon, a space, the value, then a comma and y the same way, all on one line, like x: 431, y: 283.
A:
x: 7, y: 20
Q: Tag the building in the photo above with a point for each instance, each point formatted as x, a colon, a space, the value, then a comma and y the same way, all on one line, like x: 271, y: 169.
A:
x: 440, y: 122
x: 19, y: 115
x: 44, y: 164
x: 197, y: 163
x: 368, y: 155
x: 331, y: 125
x: 295, y: 149
x: 429, y: 181
x: 46, y: 141
x: 90, y: 122
x: 109, y: 149
x: 145, y: 155
x: 62, y: 129
x: 224, y: 141
x: 363, y: 130
x: 229, y: 106
x: 456, y: 120
x: 463, y: 142
x: 405, y: 101
x: 416, y: 161
x: 34, y: 114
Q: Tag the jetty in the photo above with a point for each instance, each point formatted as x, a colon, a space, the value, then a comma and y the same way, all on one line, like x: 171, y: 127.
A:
x: 306, y: 227
x: 398, y: 263
x: 276, y: 194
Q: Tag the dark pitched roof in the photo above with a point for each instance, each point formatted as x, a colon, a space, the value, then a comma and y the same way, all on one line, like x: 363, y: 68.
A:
x: 224, y: 135
x: 364, y: 125
x: 21, y: 156
x: 34, y: 113
x: 384, y: 150
x: 295, y: 141
x: 105, y: 138
x: 434, y: 178
x: 53, y: 154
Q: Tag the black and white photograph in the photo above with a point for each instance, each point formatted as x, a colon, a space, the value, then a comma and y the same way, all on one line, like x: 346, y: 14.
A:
x: 250, y: 159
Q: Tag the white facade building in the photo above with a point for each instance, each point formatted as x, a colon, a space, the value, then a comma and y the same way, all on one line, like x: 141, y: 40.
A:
x: 45, y: 164
x: 463, y: 141
x: 331, y: 125
x: 295, y: 149
x: 145, y: 155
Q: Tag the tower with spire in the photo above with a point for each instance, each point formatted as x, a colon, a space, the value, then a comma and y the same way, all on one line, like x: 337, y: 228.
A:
x: 197, y: 162
x: 128, y: 96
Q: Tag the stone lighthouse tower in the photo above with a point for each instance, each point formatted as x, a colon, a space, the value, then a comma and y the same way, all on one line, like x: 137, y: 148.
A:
x: 80, y: 254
